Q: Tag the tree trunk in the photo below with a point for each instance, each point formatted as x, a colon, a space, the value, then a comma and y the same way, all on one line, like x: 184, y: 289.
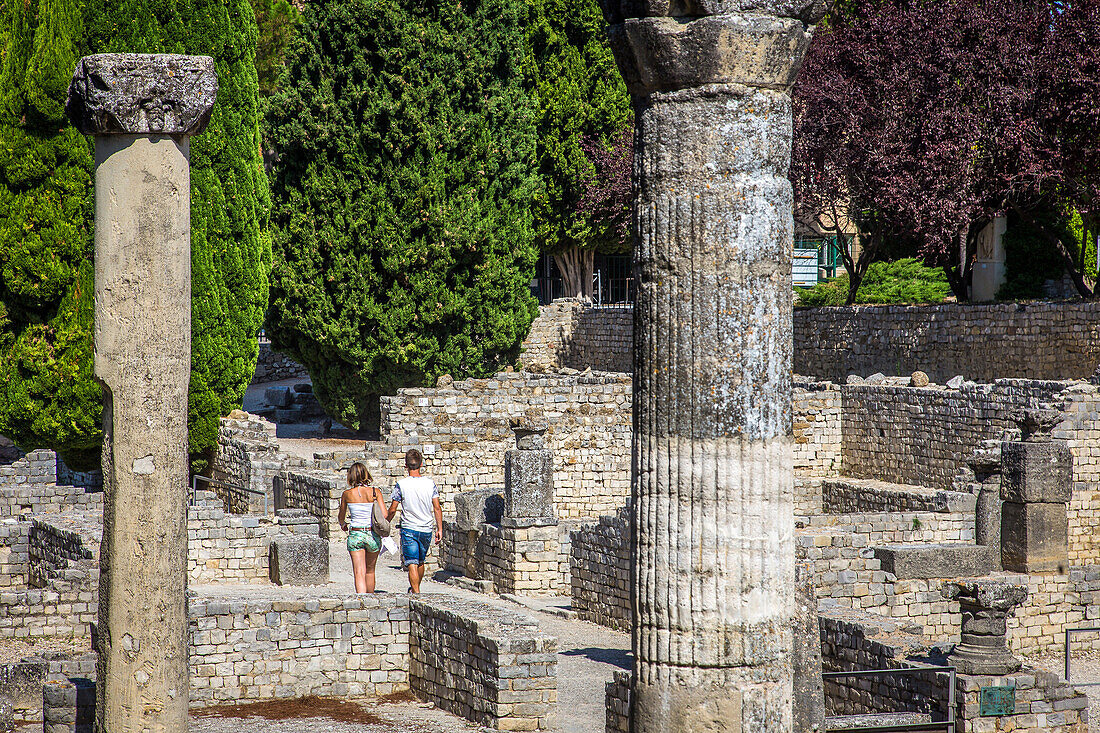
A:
x: 577, y: 267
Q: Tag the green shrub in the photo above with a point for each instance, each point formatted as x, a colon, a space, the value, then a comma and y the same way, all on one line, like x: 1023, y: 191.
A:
x: 901, y: 281
x: 402, y: 195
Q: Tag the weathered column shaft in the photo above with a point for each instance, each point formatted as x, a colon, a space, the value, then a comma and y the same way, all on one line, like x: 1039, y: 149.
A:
x: 143, y: 358
x: 713, y: 488
x: 142, y: 110
x: 713, y: 528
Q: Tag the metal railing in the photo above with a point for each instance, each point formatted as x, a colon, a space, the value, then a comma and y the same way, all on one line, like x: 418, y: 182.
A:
x: 1080, y: 630
x: 225, y: 485
x: 947, y: 726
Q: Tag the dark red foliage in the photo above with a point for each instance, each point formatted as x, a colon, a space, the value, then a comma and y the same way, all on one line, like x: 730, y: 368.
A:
x: 607, y: 195
x: 936, y: 114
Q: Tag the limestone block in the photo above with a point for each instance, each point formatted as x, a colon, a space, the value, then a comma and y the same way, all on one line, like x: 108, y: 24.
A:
x: 474, y: 508
x: 1036, y: 472
x: 298, y: 560
x: 142, y: 94
x: 1034, y: 538
x: 528, y: 488
x: 279, y: 396
x: 665, y: 54
x: 934, y: 561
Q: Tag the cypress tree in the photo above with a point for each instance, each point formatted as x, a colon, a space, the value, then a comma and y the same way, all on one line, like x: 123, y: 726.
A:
x: 230, y: 199
x: 581, y: 99
x: 402, y: 226
x: 47, y: 394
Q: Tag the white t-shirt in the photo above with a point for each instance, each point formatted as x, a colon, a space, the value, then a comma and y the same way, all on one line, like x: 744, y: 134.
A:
x: 415, y: 494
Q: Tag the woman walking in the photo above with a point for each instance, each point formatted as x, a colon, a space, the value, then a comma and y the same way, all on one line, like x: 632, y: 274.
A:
x: 356, y: 508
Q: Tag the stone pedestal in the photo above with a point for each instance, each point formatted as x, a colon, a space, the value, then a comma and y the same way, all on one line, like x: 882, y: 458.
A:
x: 1036, y: 486
x: 985, y: 604
x: 712, y: 483
x: 142, y: 109
x: 529, y: 478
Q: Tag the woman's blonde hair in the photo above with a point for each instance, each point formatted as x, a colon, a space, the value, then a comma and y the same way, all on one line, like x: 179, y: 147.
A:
x: 358, y: 475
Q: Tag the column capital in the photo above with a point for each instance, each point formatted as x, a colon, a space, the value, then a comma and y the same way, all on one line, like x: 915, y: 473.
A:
x: 663, y: 53
x: 142, y: 94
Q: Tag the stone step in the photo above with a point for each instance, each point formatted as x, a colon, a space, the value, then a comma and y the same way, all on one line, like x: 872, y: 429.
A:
x: 908, y: 562
x: 885, y: 721
x: 847, y: 495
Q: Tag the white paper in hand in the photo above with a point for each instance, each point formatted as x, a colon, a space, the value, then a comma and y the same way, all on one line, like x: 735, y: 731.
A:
x: 389, y: 544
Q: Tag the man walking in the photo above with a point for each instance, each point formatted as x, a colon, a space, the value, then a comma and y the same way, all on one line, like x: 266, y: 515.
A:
x: 421, y: 515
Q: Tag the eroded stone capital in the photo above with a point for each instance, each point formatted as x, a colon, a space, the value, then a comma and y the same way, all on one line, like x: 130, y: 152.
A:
x: 809, y: 11
x: 658, y: 54
x: 155, y: 94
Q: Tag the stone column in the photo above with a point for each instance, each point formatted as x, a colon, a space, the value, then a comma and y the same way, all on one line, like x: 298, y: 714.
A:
x: 712, y: 486
x: 142, y: 109
x: 1036, y: 485
x: 986, y: 604
x: 983, y: 479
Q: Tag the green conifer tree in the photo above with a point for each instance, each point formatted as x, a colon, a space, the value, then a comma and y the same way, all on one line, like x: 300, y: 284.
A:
x: 48, y: 396
x: 581, y: 95
x: 47, y: 393
x: 402, y: 227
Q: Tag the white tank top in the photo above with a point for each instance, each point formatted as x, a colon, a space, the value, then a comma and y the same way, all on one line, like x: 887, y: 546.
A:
x: 359, y: 514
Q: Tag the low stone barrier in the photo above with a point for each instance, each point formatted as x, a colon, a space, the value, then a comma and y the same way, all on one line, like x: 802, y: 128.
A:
x: 487, y: 665
x: 600, y: 572
x: 272, y: 366
x: 254, y: 650
x: 617, y: 703
x: 315, y: 491
x: 21, y: 685
x: 227, y: 548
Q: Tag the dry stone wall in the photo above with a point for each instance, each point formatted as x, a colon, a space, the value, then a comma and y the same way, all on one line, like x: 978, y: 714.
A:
x: 600, y: 572
x: 464, y: 431
x: 573, y: 334
x: 271, y: 366
x: 1041, y: 340
x: 487, y: 665
x: 227, y: 548
x: 816, y: 407
x: 248, y: 650
x: 921, y: 436
x: 247, y: 456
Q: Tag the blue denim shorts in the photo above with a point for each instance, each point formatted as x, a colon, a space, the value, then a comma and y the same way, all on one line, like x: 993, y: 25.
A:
x: 414, y: 547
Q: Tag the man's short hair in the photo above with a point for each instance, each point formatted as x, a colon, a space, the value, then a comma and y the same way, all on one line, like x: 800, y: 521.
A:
x: 413, y: 459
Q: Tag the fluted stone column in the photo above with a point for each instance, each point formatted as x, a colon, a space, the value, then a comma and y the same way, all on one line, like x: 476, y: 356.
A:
x: 712, y: 487
x: 142, y: 110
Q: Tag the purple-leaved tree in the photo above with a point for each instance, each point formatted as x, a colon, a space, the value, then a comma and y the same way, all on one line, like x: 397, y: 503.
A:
x: 918, y: 121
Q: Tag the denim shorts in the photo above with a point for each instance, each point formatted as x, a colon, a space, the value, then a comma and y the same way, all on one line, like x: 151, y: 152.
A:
x: 414, y: 546
x: 363, y: 539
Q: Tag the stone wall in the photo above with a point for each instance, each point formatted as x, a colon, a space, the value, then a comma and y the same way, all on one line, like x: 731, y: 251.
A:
x: 15, y: 556
x: 617, y: 703
x: 248, y: 650
x: 816, y: 407
x: 487, y: 665
x: 247, y: 456
x: 1056, y: 340
x: 66, y: 547
x: 575, y: 335
x: 464, y: 431
x: 600, y: 572
x: 317, y: 492
x: 227, y: 548
x: 921, y: 436
x: 528, y: 561
x: 1041, y: 340
x: 271, y: 366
